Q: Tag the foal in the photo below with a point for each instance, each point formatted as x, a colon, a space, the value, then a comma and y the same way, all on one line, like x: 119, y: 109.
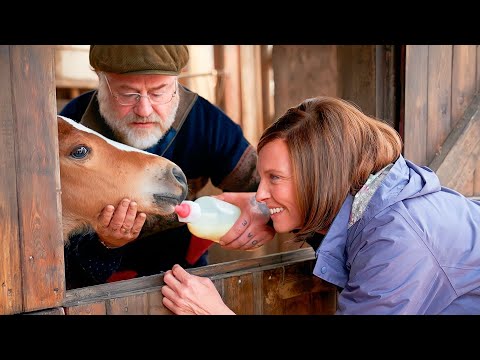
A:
x: 96, y: 171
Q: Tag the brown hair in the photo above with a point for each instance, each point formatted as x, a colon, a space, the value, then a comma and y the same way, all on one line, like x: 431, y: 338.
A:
x: 334, y: 147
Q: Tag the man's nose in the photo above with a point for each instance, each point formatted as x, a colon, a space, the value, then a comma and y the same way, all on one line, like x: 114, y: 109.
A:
x: 144, y: 107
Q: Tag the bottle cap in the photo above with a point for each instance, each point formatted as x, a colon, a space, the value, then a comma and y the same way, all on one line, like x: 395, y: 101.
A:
x: 188, y: 211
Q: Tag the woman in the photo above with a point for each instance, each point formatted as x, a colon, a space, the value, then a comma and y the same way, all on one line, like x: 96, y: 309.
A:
x: 384, y: 230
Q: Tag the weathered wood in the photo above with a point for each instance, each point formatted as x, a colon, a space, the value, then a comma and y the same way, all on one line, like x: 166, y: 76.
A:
x: 416, y: 103
x: 155, y: 304
x: 387, y: 84
x: 439, y: 97
x: 251, y: 92
x: 463, y: 79
x: 257, y: 293
x: 357, y: 76
x: 478, y: 69
x: 227, y: 62
x: 239, y: 298
x: 266, y: 78
x: 108, y: 291
x: 273, y: 303
x: 294, y: 290
x: 476, y: 180
x: 89, y: 309
x: 301, y: 72
x: 53, y: 311
x: 129, y: 305
x: 38, y: 177
x: 458, y: 158
x: 200, y: 77
x: 464, y: 84
x: 10, y: 261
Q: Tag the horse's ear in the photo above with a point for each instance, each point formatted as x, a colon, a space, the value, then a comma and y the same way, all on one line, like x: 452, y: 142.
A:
x: 63, y: 126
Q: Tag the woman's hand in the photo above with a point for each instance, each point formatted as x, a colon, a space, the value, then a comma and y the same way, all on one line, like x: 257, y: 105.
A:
x: 187, y: 294
x: 251, y: 230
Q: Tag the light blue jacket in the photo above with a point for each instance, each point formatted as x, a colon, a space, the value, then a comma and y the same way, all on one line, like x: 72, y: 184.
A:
x: 415, y: 250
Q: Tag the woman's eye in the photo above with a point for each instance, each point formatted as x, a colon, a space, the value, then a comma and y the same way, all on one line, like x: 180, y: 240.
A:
x: 79, y: 152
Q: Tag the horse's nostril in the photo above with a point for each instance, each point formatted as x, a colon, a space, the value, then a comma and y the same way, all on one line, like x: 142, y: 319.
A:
x: 179, y: 175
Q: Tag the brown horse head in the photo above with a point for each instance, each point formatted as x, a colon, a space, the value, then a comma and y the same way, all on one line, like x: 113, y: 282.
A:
x: 96, y: 171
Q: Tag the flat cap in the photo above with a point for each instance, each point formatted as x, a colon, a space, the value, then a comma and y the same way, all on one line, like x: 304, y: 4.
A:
x: 139, y: 59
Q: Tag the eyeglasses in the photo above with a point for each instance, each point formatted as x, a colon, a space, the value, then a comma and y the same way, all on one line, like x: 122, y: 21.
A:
x: 130, y: 99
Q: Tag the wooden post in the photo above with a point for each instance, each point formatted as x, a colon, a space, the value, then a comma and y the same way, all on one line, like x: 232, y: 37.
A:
x: 32, y: 271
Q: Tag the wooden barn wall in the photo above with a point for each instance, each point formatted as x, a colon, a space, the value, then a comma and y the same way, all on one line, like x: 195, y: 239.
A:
x: 440, y: 84
x: 31, y: 260
x: 301, y: 72
x: 280, y: 284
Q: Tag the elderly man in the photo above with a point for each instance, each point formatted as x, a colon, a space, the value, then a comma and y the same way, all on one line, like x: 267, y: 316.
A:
x: 140, y: 102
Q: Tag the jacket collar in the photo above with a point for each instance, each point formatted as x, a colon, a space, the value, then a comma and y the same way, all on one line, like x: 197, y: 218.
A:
x: 332, y: 249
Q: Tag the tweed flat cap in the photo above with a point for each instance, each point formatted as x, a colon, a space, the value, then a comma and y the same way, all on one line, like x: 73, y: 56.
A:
x: 139, y: 59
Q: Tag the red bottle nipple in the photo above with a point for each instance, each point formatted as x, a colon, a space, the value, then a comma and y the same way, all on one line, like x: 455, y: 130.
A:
x: 182, y: 210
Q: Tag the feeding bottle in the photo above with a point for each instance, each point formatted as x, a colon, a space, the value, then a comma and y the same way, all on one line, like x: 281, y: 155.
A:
x: 208, y: 217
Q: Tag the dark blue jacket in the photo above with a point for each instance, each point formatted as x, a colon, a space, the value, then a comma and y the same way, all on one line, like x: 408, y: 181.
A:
x: 206, y: 144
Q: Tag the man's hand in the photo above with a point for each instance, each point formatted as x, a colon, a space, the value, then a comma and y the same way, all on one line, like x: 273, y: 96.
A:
x: 251, y: 230
x: 117, y: 227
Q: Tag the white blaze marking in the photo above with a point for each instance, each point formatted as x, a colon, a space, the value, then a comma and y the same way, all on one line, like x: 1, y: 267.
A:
x: 111, y: 142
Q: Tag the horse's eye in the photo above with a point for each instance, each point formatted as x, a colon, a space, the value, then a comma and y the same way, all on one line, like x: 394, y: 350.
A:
x: 79, y: 152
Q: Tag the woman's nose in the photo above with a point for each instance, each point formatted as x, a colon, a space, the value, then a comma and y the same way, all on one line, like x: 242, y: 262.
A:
x: 262, y: 193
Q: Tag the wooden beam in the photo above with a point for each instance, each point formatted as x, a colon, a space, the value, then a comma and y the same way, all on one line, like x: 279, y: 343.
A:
x: 458, y: 157
x: 416, y: 104
x: 10, y: 262
x: 37, y: 176
x: 103, y: 292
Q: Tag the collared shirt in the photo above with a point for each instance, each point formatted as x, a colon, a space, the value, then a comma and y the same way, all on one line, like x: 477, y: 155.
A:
x: 415, y: 250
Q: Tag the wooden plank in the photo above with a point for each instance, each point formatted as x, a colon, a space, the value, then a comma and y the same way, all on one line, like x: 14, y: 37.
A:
x: 324, y: 303
x: 200, y: 77
x: 439, y: 97
x: 416, y: 100
x: 10, y: 261
x: 306, y: 294
x: 300, y: 285
x: 388, y: 83
x: 251, y: 92
x: 463, y: 79
x: 458, y: 158
x: 476, y: 177
x: 285, y: 289
x: 478, y: 68
x: 272, y: 280
x: 228, y: 90
x: 53, y: 311
x: 129, y: 305
x: 301, y: 72
x: 238, y: 295
x: 476, y: 180
x: 155, y: 304
x: 216, y: 272
x: 89, y: 309
x: 38, y: 177
x: 357, y: 76
x: 267, y: 78
x: 258, y: 292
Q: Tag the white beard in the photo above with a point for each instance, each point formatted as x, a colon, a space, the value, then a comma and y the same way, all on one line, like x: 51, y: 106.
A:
x: 138, y: 138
